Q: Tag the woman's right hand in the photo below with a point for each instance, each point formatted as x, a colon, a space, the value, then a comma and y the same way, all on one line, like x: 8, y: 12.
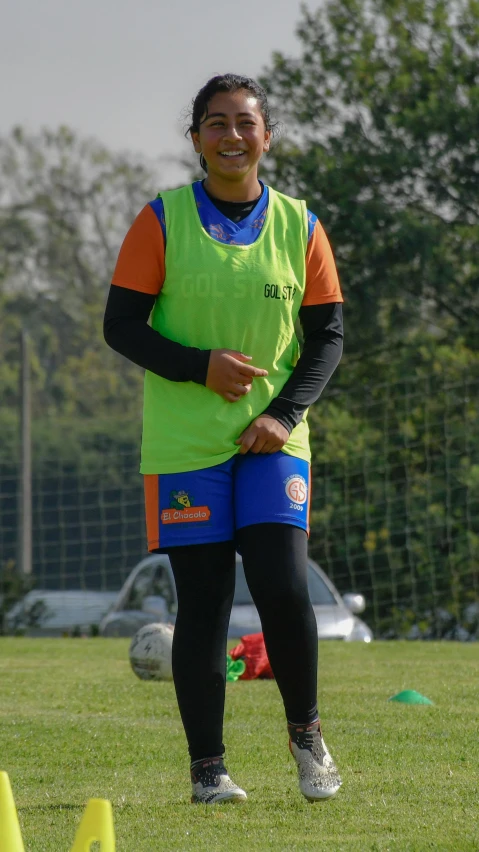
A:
x: 230, y: 375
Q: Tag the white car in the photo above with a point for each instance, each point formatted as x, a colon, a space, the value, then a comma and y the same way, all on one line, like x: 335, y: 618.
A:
x: 59, y: 613
x: 148, y: 595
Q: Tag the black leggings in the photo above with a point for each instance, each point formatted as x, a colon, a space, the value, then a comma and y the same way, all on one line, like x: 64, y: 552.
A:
x: 275, y: 564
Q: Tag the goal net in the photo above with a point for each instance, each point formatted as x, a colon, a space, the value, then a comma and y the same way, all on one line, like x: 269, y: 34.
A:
x: 395, y: 508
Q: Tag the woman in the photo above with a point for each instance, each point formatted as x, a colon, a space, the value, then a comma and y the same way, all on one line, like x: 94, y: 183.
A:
x: 226, y: 265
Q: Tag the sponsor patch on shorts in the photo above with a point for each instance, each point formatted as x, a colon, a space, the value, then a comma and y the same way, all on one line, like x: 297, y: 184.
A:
x: 182, y: 509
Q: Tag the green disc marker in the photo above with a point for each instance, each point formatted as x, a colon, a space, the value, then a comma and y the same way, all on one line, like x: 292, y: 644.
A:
x: 410, y: 696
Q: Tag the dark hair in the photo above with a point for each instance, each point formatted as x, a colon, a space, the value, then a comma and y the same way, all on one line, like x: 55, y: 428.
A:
x: 227, y: 83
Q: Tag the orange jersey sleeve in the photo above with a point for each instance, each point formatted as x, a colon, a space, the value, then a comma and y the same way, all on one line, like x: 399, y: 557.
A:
x: 322, y: 283
x: 141, y: 262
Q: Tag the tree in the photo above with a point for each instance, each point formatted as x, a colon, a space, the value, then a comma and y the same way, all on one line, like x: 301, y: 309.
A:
x: 65, y: 205
x: 381, y: 113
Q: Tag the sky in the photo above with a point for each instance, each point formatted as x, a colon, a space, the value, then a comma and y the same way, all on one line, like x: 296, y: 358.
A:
x: 124, y: 72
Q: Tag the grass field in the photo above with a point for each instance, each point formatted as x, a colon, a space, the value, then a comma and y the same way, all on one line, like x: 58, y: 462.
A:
x: 75, y: 723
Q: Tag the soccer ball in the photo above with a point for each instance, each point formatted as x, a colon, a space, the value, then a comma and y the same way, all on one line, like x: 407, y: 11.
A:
x: 150, y: 652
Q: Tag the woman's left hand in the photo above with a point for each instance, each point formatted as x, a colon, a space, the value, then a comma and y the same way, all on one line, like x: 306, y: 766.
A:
x: 263, y: 435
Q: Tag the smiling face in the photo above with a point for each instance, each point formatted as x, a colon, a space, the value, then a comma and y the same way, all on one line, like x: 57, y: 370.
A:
x: 232, y: 137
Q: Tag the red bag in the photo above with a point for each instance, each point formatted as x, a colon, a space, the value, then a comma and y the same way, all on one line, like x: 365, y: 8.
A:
x: 252, y: 650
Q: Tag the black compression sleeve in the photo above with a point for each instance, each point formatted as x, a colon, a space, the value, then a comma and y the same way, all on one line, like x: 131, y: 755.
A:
x: 323, y: 345
x: 126, y: 330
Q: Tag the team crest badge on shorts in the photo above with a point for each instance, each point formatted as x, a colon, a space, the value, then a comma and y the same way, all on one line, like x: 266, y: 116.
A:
x: 296, y: 489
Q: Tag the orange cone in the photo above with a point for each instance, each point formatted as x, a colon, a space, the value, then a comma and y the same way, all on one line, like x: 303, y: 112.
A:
x: 10, y: 834
x: 96, y: 826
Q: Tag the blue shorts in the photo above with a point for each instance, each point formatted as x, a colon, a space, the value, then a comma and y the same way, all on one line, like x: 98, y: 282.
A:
x: 208, y: 505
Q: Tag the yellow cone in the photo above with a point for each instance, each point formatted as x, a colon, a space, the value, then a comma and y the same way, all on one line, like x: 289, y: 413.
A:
x: 10, y: 834
x: 96, y: 826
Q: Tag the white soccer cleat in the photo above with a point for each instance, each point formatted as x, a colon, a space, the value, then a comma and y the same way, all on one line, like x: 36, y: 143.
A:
x: 211, y: 784
x: 318, y: 776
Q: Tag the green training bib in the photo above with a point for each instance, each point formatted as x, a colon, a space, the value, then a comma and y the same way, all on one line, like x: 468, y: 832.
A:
x: 217, y: 296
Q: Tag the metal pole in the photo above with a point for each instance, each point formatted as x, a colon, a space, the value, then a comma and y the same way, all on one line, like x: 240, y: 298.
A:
x: 25, y: 502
